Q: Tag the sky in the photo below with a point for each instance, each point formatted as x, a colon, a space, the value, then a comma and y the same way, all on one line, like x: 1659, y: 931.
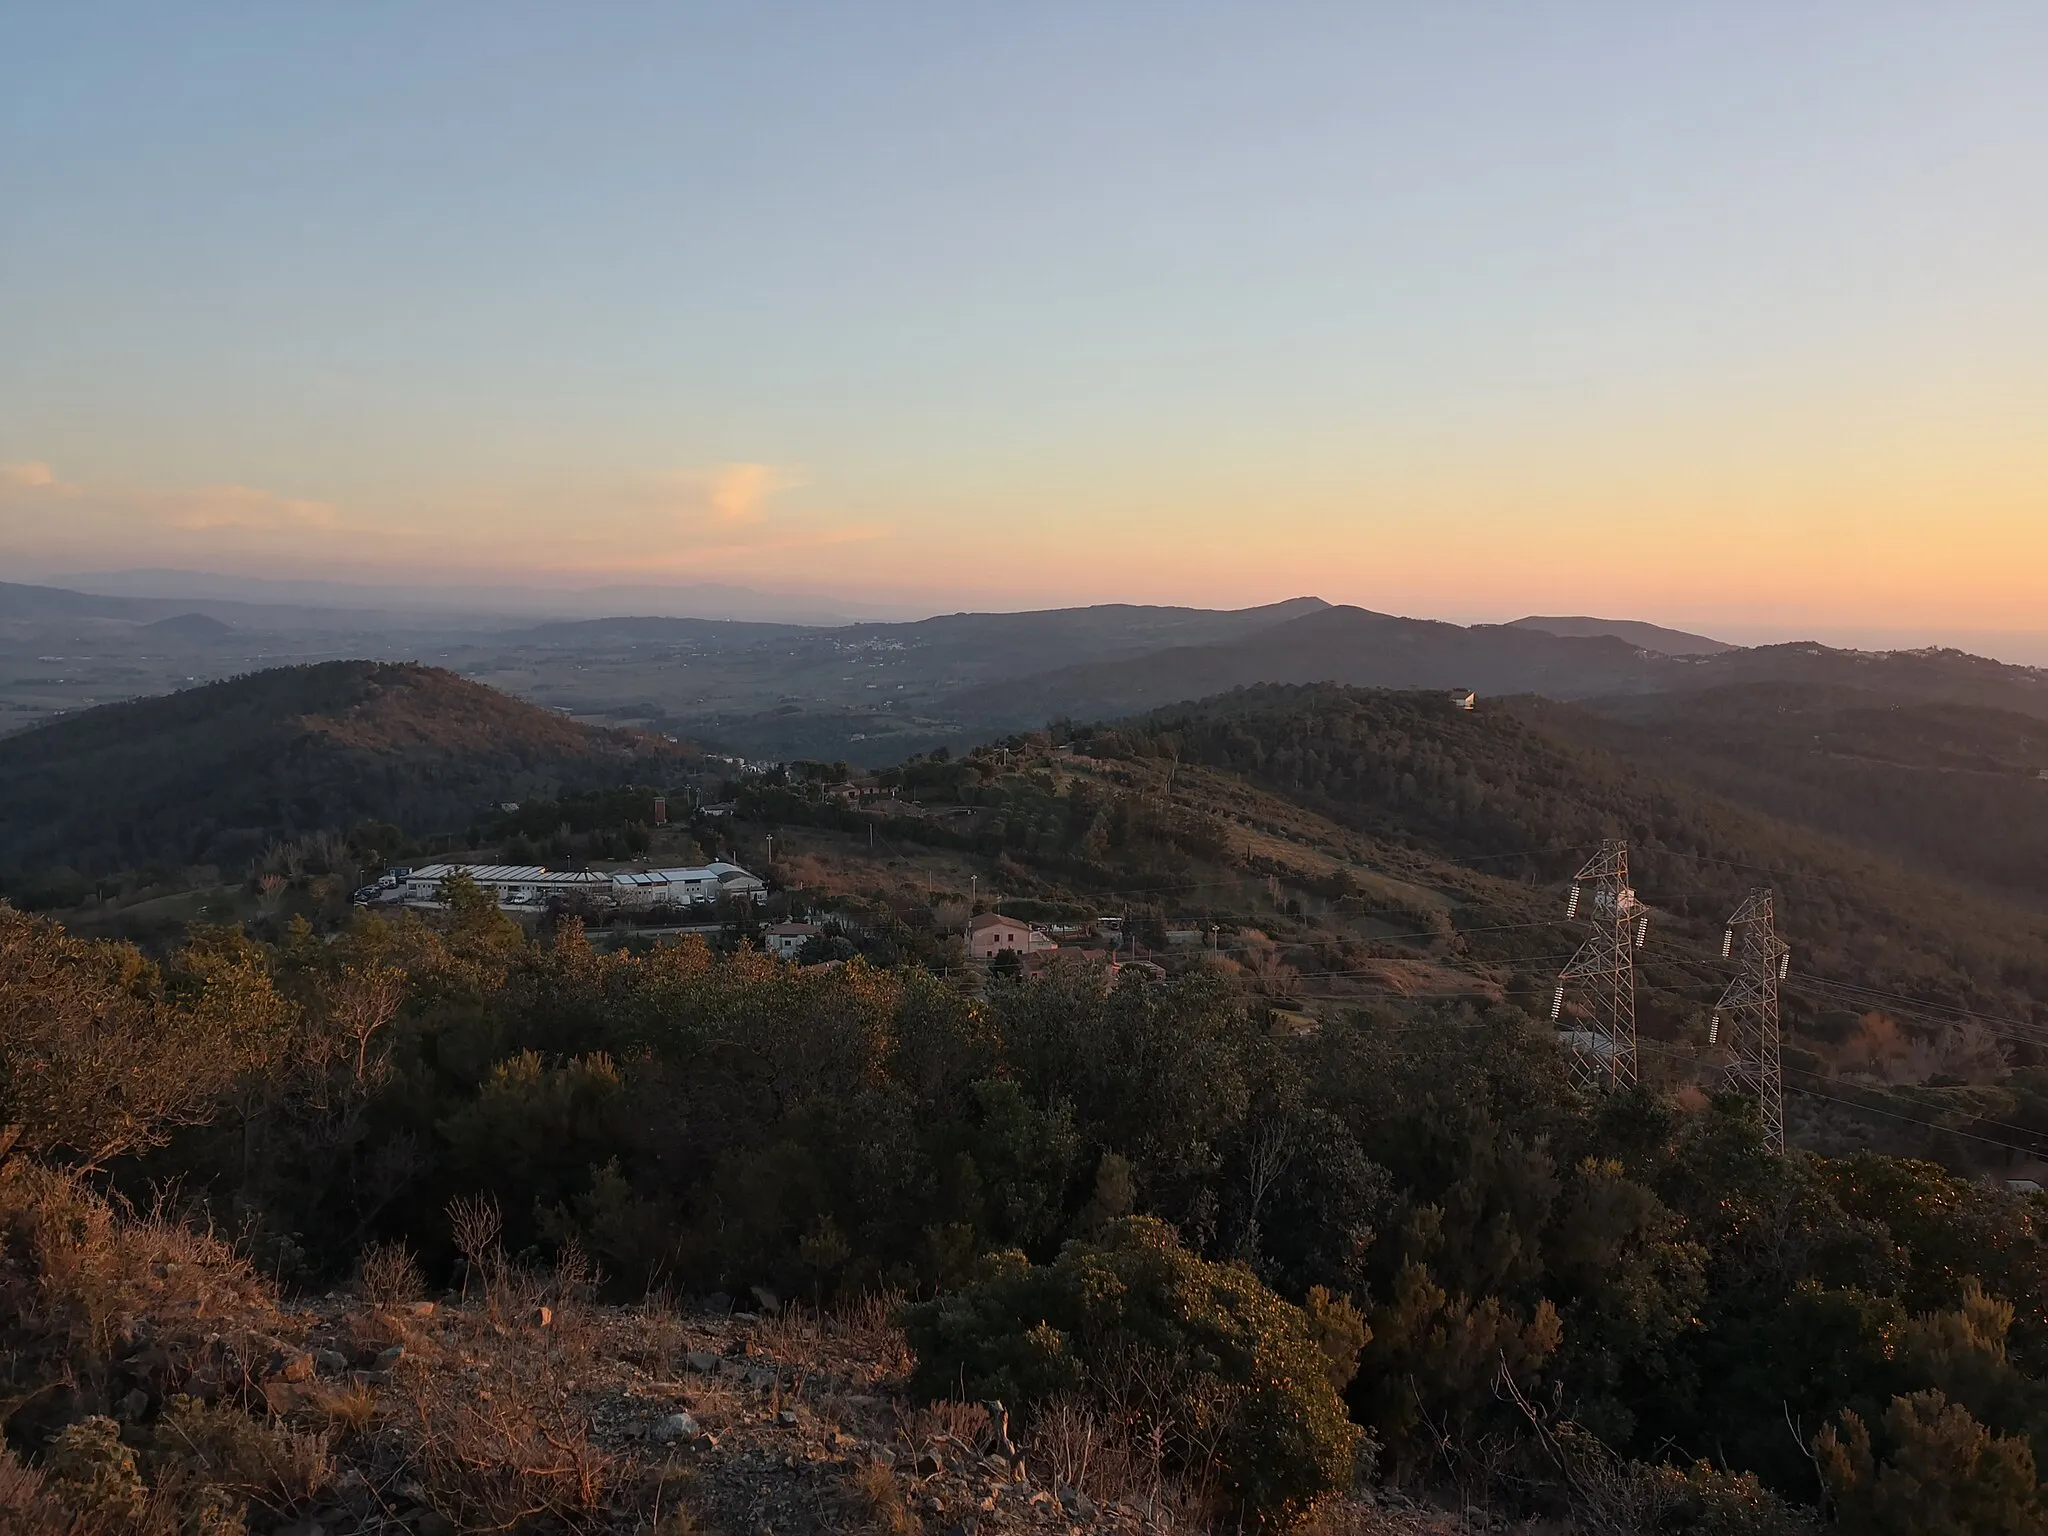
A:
x: 1729, y: 315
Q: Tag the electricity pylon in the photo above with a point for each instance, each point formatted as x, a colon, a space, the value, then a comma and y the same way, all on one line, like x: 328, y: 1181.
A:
x: 1749, y: 1011
x: 1602, y: 1052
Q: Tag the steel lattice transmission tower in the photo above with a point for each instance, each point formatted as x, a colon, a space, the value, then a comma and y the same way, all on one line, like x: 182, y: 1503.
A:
x: 1748, y: 1011
x: 1602, y: 1052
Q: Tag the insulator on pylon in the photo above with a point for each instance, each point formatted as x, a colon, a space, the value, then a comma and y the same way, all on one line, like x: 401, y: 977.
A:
x: 1571, y: 908
x: 1642, y: 929
x: 1784, y: 966
x: 1557, y: 1002
x: 1714, y: 1030
x: 1727, y: 943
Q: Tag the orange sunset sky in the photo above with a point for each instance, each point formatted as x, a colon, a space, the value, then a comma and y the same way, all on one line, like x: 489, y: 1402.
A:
x: 1726, y: 316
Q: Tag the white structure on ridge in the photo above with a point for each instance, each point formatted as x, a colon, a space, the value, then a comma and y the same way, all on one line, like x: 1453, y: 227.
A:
x: 519, y: 886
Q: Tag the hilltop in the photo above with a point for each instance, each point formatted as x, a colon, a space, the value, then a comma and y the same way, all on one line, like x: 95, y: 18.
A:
x: 212, y: 774
x: 1335, y: 645
x: 1376, y: 650
x: 196, y: 628
x: 1651, y: 637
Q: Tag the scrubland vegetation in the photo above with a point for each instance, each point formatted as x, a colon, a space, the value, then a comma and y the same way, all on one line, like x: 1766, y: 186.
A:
x: 1244, y: 1272
x: 438, y: 1221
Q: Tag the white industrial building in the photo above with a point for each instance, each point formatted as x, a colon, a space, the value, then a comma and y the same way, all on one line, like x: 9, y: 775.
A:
x: 518, y: 886
x: 696, y: 886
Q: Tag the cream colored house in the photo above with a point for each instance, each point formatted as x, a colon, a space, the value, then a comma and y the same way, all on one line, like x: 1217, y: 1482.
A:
x: 992, y: 933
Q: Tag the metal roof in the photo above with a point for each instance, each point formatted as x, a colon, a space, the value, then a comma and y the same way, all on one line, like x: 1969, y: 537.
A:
x: 507, y: 874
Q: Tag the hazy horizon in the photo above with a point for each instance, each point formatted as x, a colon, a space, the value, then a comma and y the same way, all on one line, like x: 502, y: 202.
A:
x: 804, y: 606
x: 1724, y: 318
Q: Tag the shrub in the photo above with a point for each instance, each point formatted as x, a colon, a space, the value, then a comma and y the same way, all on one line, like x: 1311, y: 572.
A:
x: 93, y: 1474
x: 1945, y: 1473
x: 223, y: 1448
x: 1199, y: 1359
x: 391, y: 1277
x: 83, y: 1285
x: 102, y: 1054
x: 1710, y: 1502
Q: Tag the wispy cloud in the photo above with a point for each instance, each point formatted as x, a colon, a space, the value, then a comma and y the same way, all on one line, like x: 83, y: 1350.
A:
x: 740, y: 491
x: 724, y: 518
x: 32, y: 476
x: 246, y: 509
x: 727, y: 494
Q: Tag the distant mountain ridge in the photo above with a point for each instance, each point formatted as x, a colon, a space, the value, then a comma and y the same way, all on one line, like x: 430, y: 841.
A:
x: 1360, y: 648
x: 873, y: 692
x: 1334, y: 644
x: 1651, y: 637
x: 711, y: 600
x: 212, y: 774
x: 1016, y: 644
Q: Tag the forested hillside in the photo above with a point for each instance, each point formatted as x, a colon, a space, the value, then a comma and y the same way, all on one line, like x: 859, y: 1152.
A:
x: 1520, y: 801
x: 1953, y: 789
x: 1341, y: 644
x: 1583, y: 660
x: 213, y: 774
x: 1399, y: 1247
x: 1384, y: 1236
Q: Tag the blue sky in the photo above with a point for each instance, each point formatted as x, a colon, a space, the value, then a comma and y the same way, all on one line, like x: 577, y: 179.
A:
x: 1458, y: 309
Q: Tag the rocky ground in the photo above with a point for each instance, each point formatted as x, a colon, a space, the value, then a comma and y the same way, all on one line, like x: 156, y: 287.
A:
x: 479, y: 1414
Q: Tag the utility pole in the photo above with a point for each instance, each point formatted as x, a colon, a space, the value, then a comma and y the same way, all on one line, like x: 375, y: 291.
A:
x: 1602, y: 1052
x: 1749, y: 1010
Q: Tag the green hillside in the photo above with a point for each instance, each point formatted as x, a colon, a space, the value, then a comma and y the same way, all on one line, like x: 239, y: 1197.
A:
x: 1499, y: 786
x: 211, y: 775
x: 1951, y: 789
x: 1330, y: 1108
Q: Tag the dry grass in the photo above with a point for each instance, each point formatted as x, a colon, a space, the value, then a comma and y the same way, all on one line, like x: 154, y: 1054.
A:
x: 390, y: 1276
x: 81, y: 1279
x: 501, y: 1440
x: 862, y: 1331
x: 878, y: 1501
x: 966, y: 1427
x: 511, y: 1452
x: 348, y: 1412
x: 1121, y: 1455
x: 205, y: 1446
x: 870, y: 1329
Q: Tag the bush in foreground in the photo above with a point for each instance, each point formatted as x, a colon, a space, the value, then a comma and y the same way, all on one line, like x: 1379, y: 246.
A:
x: 1223, y: 1378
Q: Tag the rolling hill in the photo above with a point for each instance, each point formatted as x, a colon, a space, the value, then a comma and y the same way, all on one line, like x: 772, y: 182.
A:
x: 194, y: 628
x: 1650, y: 637
x: 1478, y: 804
x: 1337, y: 644
x: 1951, y: 789
x: 1359, y: 648
x: 210, y: 775
x: 1389, y: 841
